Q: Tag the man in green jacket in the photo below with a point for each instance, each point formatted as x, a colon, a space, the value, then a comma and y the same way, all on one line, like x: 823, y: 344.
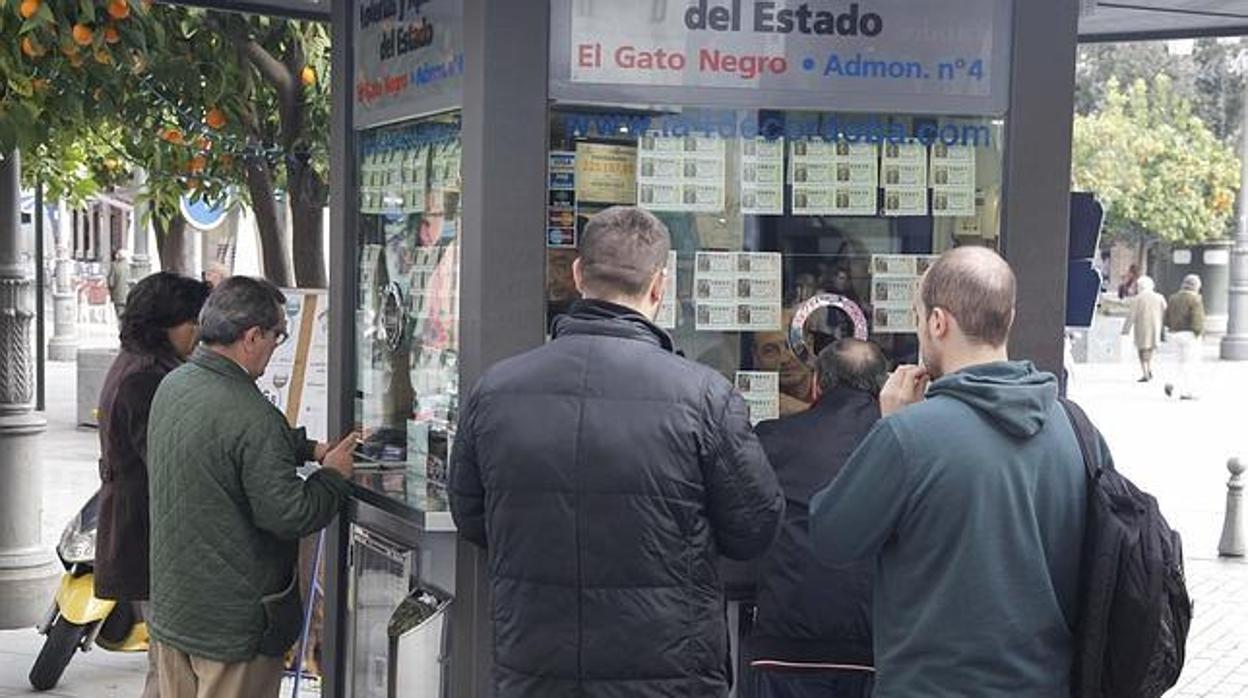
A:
x: 228, y: 506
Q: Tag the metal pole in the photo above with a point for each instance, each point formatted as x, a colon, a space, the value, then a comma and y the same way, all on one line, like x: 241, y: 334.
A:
x: 27, y: 570
x: 140, y: 262
x: 1235, y: 343
x: 41, y: 363
x: 64, y: 343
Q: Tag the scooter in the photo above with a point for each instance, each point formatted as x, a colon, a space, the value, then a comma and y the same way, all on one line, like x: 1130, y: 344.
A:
x: 78, y: 620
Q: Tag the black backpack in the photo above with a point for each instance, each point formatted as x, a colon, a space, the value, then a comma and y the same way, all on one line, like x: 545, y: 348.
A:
x: 1134, y: 611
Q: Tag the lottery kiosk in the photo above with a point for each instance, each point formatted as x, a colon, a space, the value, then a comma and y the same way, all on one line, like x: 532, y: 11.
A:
x: 809, y: 158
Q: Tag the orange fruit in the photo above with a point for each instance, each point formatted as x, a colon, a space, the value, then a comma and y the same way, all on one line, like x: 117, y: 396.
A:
x: 203, y: 143
x: 227, y: 160
x: 118, y: 9
x: 308, y: 76
x: 111, y: 35
x: 29, y: 8
x: 83, y: 36
x: 172, y: 135
x: 40, y: 84
x: 198, y: 163
x: 215, y: 118
x: 31, y: 48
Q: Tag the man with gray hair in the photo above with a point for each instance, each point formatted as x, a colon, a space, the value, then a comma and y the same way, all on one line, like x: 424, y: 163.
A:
x: 812, y: 632
x: 1185, y: 318
x: 605, y: 475
x: 228, y: 506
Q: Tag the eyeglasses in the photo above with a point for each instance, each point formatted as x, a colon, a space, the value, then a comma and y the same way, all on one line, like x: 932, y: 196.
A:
x: 280, y: 335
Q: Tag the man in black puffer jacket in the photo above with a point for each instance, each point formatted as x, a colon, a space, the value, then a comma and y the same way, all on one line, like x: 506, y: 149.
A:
x: 605, y: 475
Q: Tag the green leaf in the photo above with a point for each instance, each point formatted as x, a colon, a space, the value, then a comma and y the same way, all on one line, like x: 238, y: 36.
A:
x: 86, y: 11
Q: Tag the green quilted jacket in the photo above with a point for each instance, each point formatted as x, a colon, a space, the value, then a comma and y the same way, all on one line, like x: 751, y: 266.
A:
x: 227, y: 512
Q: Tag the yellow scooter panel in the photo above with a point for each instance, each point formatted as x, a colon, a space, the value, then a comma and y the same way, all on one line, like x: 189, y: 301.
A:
x: 77, y: 603
x: 136, y: 641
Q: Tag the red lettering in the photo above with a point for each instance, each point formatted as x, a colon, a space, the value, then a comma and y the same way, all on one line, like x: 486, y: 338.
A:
x: 628, y: 56
x: 589, y: 55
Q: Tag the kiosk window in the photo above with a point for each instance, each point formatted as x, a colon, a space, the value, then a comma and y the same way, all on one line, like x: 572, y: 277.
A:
x: 769, y: 209
x: 407, y: 308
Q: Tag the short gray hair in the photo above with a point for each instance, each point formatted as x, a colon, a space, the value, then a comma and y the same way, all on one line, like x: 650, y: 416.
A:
x: 621, y: 250
x: 238, y: 304
x: 1191, y: 282
x: 853, y: 363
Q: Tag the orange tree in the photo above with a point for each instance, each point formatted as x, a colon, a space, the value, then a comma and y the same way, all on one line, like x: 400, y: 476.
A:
x: 206, y: 102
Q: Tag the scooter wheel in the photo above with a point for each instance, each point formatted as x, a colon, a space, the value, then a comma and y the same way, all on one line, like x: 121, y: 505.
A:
x: 64, y: 639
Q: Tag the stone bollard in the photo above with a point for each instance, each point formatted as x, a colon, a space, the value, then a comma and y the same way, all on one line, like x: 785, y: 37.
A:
x: 1232, y: 543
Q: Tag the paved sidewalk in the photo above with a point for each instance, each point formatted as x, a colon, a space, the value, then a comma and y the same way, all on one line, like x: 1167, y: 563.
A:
x: 1176, y: 450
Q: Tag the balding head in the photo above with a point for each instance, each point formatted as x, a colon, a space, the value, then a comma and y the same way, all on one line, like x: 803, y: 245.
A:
x: 852, y: 363
x: 977, y: 287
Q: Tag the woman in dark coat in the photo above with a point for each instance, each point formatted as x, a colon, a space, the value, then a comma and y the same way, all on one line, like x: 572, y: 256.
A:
x: 158, y: 332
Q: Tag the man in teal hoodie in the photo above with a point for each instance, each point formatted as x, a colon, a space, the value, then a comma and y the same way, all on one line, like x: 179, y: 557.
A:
x: 970, y: 495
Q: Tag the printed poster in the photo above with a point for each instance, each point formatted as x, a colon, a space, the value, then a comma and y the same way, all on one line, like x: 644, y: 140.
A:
x: 606, y: 174
x: 953, y: 180
x: 761, y: 391
x: 894, y: 284
x: 903, y: 174
x: 762, y: 176
x: 681, y: 173
x: 834, y: 178
x: 561, y: 209
x: 667, y: 309
x: 737, y: 291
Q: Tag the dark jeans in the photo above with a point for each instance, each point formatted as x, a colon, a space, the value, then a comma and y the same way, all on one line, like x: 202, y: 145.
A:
x: 814, y: 683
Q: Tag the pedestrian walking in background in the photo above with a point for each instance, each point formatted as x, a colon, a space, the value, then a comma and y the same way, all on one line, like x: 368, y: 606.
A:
x: 1130, y: 283
x: 228, y: 506
x: 812, y: 630
x: 158, y: 332
x: 970, y: 495
x: 119, y: 280
x: 1146, y: 321
x: 1185, y: 319
x: 605, y: 475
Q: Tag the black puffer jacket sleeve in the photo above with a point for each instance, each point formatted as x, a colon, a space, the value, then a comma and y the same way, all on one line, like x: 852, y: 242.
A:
x: 744, y: 501
x: 467, y: 493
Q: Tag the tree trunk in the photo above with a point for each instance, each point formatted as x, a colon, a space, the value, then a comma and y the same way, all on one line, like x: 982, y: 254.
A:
x: 307, y: 224
x: 172, y: 244
x: 264, y: 206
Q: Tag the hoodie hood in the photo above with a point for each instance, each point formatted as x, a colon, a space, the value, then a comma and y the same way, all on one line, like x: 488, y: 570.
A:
x: 1013, y: 395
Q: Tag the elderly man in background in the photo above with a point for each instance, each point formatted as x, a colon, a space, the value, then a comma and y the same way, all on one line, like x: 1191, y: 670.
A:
x: 1185, y: 318
x: 1148, y: 309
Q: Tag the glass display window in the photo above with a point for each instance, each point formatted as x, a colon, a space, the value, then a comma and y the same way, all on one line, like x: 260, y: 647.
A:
x: 407, y: 308
x: 769, y: 209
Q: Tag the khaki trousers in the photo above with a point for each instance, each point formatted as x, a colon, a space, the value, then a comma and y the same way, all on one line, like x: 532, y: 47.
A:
x: 184, y: 676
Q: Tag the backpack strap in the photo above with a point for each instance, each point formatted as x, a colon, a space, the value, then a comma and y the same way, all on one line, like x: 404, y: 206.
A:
x: 1087, y: 436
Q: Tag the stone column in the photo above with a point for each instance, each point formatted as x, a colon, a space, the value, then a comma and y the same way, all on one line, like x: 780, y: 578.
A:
x: 28, y: 571
x: 64, y: 343
x: 1235, y: 342
x: 140, y: 262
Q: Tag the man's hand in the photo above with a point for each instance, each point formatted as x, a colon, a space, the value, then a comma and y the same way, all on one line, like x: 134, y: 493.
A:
x: 906, y: 386
x: 341, y: 456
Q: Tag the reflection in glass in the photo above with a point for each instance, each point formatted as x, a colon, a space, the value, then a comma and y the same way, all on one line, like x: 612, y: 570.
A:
x: 408, y: 308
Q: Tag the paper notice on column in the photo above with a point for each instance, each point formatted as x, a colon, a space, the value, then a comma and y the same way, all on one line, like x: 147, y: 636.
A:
x: 667, y: 309
x: 737, y: 291
x: 684, y: 174
x: 953, y: 180
x: 762, y: 176
x: 761, y: 391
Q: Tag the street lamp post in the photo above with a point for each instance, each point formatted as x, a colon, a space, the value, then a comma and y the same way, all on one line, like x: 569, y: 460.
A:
x: 64, y: 343
x: 27, y: 570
